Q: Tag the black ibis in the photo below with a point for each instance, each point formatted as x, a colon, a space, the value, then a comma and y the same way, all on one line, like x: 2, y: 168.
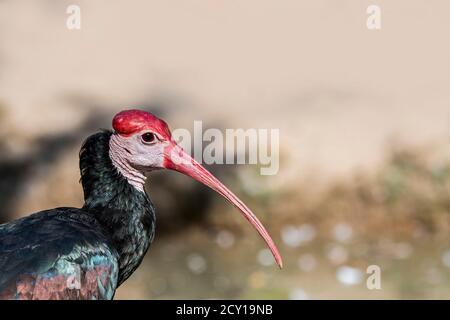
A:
x: 87, y: 253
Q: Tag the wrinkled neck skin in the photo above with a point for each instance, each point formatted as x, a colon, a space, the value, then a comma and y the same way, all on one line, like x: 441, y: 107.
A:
x: 118, y: 154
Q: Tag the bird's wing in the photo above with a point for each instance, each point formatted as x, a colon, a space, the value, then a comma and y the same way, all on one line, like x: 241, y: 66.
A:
x: 56, y: 254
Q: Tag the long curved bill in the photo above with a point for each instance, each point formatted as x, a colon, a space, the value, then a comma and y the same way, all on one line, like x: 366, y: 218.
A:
x: 175, y: 158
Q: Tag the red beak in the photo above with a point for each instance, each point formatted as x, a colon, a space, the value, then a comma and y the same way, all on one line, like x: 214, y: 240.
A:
x: 175, y: 158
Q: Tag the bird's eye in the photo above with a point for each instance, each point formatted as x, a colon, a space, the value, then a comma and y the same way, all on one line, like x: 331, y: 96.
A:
x: 148, y: 137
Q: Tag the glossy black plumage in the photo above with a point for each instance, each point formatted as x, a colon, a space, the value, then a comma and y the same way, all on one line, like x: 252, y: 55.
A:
x: 85, y: 253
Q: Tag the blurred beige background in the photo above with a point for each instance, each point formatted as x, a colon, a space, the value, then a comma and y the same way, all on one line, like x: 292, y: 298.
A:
x: 343, y: 97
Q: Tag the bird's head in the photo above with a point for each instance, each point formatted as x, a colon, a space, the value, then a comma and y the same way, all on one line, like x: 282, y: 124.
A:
x: 143, y: 142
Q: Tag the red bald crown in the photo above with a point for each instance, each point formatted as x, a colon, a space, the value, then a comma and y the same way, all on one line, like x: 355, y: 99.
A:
x: 129, y: 122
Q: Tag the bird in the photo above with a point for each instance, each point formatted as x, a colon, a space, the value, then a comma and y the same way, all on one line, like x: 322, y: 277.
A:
x: 87, y: 253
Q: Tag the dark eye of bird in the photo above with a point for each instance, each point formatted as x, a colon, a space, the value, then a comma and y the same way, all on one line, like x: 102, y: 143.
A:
x: 148, y: 137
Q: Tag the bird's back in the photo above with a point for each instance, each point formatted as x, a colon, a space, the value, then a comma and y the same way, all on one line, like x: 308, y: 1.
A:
x: 61, y: 253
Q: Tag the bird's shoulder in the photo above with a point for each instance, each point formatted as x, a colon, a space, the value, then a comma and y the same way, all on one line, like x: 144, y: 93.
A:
x: 61, y: 253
